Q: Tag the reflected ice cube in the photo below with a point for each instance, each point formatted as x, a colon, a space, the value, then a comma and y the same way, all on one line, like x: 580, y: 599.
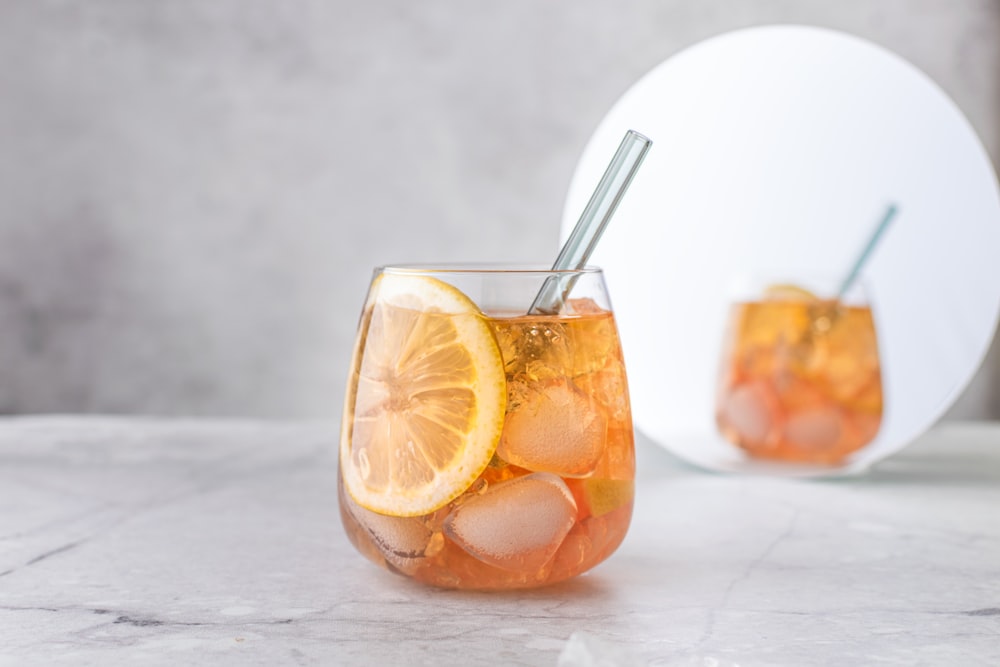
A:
x: 517, y: 525
x: 402, y: 541
x: 817, y: 428
x: 553, y: 427
x: 749, y: 410
x: 848, y: 372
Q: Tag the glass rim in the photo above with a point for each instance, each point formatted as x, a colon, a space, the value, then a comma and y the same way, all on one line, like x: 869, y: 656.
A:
x: 824, y: 284
x: 791, y: 276
x: 484, y: 268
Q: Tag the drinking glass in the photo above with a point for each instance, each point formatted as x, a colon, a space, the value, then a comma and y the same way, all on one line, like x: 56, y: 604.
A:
x: 800, y: 377
x: 483, y: 447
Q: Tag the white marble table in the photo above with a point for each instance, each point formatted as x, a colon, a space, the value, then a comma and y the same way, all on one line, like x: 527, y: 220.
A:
x: 210, y: 542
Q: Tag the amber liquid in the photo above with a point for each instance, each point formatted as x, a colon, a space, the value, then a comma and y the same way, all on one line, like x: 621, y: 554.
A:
x: 800, y: 380
x: 556, y: 499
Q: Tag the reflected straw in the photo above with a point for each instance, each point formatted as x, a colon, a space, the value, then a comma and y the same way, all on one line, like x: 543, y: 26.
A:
x: 593, y: 220
x: 866, y: 252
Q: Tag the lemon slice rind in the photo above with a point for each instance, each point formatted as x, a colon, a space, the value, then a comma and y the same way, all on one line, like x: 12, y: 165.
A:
x: 788, y: 292
x: 473, y: 333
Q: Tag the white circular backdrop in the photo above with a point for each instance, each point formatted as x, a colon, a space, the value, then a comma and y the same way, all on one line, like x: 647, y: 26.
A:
x: 776, y: 150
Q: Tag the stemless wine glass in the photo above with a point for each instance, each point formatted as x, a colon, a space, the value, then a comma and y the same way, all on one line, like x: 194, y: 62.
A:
x: 483, y: 447
x: 800, y: 377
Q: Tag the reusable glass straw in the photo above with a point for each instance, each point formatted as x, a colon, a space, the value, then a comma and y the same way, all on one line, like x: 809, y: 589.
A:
x: 595, y: 217
x: 866, y: 252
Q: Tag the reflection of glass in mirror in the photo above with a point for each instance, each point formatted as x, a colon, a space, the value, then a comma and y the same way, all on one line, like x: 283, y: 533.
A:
x: 778, y: 146
x: 800, y: 378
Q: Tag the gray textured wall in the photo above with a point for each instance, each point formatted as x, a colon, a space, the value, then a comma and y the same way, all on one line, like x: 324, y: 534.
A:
x: 192, y: 193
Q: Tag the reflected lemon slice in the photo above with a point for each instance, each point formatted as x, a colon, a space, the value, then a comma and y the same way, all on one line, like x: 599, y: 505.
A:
x: 788, y: 292
x: 426, y: 397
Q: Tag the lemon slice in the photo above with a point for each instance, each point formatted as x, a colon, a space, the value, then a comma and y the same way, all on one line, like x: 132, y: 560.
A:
x: 605, y: 495
x: 788, y: 292
x: 426, y: 398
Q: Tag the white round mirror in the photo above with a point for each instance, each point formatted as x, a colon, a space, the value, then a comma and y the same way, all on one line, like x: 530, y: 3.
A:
x: 776, y: 150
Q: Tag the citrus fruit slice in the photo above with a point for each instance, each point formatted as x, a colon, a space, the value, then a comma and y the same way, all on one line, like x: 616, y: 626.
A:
x: 426, y: 399
x: 605, y: 495
x: 788, y: 292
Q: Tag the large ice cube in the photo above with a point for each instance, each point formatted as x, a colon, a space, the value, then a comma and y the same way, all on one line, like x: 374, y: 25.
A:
x: 402, y: 541
x: 555, y: 428
x: 818, y: 428
x: 748, y: 410
x: 608, y: 386
x: 517, y: 525
x: 536, y: 350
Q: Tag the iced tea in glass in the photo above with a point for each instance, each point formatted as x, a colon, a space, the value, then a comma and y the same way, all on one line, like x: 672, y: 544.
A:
x: 800, y: 377
x: 483, y: 447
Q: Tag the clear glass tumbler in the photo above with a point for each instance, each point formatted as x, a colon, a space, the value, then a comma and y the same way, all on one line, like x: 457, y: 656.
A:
x: 483, y: 447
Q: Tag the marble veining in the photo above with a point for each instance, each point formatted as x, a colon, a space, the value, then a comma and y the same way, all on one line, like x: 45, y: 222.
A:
x: 207, y: 541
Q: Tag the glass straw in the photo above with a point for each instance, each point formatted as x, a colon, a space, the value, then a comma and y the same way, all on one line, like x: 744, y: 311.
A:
x: 866, y: 252
x: 595, y: 217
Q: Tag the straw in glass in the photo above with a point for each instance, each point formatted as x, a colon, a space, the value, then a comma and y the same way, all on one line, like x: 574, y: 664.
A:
x: 594, y: 219
x: 866, y: 252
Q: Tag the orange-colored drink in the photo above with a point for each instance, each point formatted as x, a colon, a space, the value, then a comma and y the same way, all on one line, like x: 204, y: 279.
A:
x: 800, y: 378
x: 544, y: 496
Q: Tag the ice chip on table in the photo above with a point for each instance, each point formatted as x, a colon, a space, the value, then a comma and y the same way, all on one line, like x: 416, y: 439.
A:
x: 586, y: 650
x: 516, y: 525
x: 556, y: 428
x: 402, y: 541
x: 748, y: 410
x: 818, y: 428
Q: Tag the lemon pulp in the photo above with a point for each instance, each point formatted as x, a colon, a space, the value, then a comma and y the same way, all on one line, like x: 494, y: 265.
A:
x: 426, y: 397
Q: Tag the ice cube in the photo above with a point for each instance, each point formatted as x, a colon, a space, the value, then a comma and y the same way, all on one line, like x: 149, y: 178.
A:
x: 555, y: 428
x: 869, y: 398
x: 748, y: 410
x: 537, y: 350
x: 866, y: 426
x: 818, y: 428
x: 848, y: 373
x: 402, y: 541
x: 516, y: 525
x: 609, y: 387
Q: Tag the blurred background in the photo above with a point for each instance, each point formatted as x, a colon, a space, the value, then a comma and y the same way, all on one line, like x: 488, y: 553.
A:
x: 193, y: 194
